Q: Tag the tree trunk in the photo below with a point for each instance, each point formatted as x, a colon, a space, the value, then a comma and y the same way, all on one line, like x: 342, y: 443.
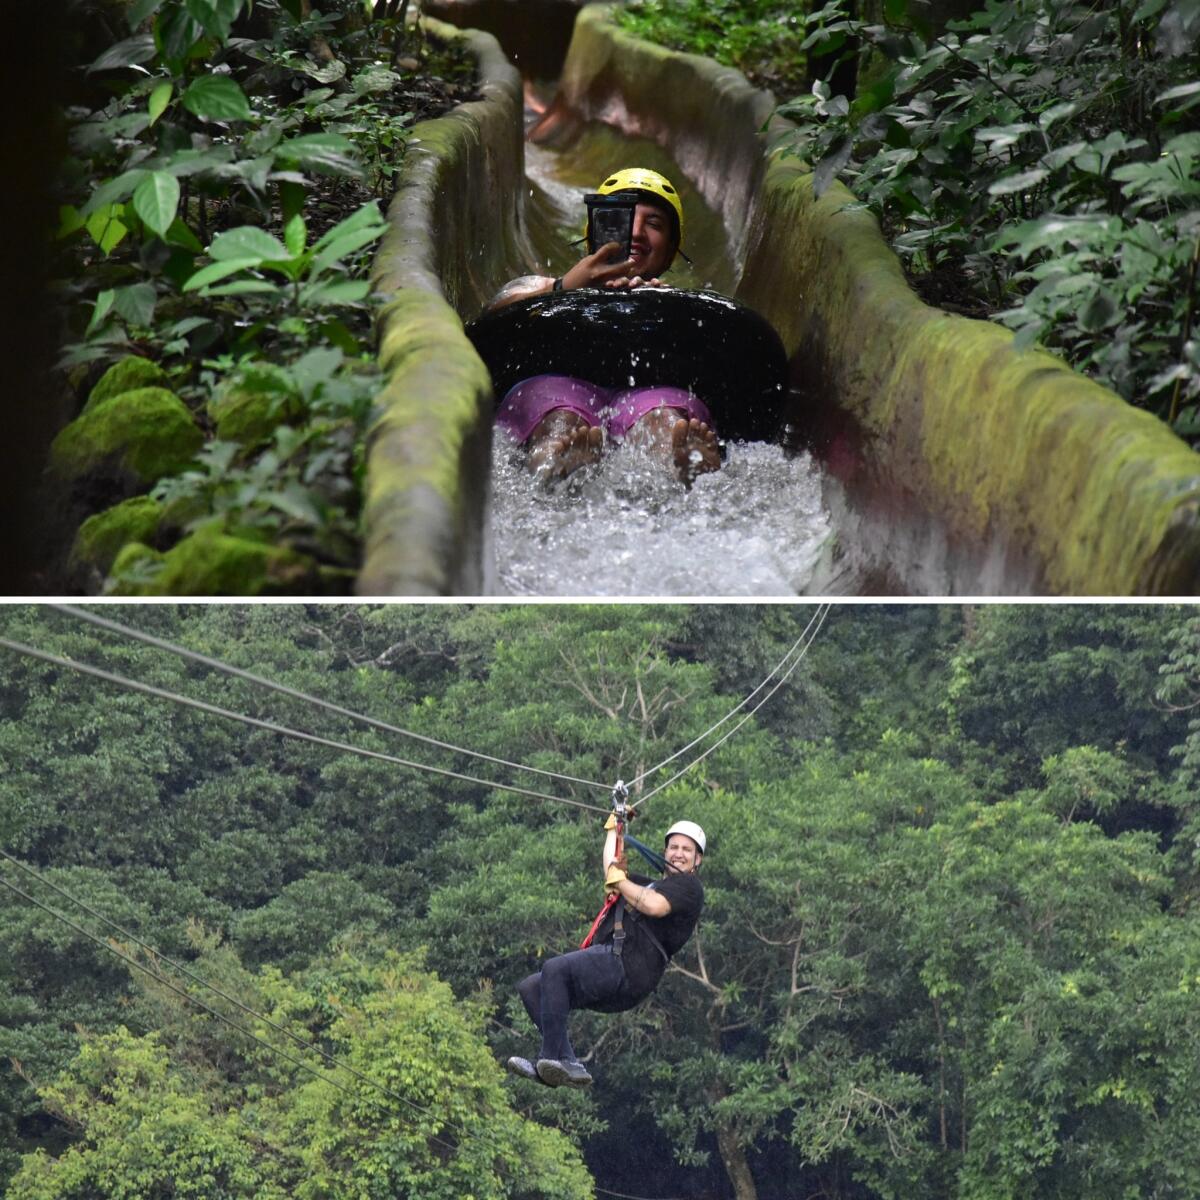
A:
x: 733, y: 1156
x: 736, y: 1166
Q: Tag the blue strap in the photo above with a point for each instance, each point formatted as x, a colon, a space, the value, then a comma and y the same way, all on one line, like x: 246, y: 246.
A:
x: 655, y: 860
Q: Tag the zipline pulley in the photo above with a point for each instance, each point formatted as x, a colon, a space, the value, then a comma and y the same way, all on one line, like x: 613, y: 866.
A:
x: 620, y: 803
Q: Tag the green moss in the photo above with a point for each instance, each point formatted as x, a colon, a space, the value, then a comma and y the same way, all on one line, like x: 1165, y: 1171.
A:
x: 1006, y: 447
x: 212, y: 563
x: 250, y: 417
x: 126, y: 376
x: 100, y: 538
x: 148, y: 433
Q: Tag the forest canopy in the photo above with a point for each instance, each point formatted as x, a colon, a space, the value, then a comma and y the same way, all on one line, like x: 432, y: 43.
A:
x: 949, y: 949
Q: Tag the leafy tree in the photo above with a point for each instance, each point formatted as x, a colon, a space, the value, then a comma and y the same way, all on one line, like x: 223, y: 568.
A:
x: 152, y: 1118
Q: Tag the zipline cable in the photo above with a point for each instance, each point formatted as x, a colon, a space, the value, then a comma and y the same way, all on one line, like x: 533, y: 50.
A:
x: 159, y: 978
x: 283, y: 730
x: 720, y: 741
x: 738, y: 707
x: 217, y: 665
x: 204, y: 983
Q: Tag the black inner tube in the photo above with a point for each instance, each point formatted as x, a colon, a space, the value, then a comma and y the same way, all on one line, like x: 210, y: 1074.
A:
x: 720, y: 350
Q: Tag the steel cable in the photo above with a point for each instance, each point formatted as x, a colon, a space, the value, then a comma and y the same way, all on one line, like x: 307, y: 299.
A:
x: 822, y: 613
x: 217, y: 665
x: 737, y: 708
x: 283, y: 730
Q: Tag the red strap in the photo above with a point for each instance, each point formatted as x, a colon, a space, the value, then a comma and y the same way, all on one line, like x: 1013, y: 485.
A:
x: 609, y: 900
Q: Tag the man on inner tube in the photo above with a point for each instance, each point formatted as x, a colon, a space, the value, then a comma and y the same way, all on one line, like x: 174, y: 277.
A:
x: 563, y: 420
x: 618, y: 966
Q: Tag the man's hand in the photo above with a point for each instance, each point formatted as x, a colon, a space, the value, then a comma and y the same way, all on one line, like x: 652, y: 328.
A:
x: 616, y: 875
x: 635, y: 281
x: 596, y: 270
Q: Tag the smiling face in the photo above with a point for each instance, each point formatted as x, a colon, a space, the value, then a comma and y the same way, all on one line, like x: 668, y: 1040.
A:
x: 682, y: 853
x: 653, y: 245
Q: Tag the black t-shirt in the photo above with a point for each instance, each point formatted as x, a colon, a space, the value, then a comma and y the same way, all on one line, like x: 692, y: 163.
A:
x: 644, y: 965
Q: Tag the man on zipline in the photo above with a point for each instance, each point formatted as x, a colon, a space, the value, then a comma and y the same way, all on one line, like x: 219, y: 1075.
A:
x: 643, y: 925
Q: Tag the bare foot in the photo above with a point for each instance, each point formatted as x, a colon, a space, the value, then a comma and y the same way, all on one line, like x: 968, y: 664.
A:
x: 694, y: 449
x: 689, y: 446
x: 563, y: 442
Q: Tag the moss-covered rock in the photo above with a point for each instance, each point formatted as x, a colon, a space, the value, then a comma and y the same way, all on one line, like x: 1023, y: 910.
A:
x: 126, y: 376
x: 210, y: 562
x: 250, y: 417
x: 145, y: 434
x: 101, y: 537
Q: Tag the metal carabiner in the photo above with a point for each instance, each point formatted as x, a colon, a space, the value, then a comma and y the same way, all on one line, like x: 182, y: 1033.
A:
x: 620, y: 799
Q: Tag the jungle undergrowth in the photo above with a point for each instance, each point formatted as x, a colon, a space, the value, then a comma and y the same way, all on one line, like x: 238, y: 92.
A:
x: 227, y: 174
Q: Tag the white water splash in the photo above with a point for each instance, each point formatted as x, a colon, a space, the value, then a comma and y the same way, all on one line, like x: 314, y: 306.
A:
x: 626, y: 527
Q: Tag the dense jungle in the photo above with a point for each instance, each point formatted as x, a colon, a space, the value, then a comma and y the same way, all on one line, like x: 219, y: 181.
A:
x: 202, y: 182
x: 950, y: 944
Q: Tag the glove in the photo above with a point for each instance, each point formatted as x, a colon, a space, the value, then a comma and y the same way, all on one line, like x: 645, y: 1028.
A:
x: 612, y: 881
x: 611, y: 823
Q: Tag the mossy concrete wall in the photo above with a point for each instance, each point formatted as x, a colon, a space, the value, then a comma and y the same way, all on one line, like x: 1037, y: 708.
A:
x: 1043, y: 480
x: 456, y: 226
x: 957, y: 463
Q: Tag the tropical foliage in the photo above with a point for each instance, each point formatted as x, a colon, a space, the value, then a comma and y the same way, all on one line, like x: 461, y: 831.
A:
x: 950, y: 945
x: 1032, y: 161
x: 220, y: 204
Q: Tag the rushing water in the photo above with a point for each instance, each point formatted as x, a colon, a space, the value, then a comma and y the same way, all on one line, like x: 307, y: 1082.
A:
x: 626, y: 527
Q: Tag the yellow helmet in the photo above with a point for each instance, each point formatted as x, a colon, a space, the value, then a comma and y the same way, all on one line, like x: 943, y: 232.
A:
x: 642, y: 180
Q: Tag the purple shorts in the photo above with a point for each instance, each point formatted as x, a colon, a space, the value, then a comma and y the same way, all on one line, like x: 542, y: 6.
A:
x: 615, y: 411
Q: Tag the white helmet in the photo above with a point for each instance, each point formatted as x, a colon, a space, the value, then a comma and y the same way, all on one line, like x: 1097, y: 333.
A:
x: 688, y: 829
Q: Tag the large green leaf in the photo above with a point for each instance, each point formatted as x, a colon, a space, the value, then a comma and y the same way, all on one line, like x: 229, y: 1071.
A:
x: 215, y: 17
x: 106, y: 227
x: 156, y: 201
x: 241, y: 287
x: 348, y: 292
x: 180, y: 235
x: 136, y: 303
x: 295, y: 234
x: 325, y: 152
x: 250, y: 242
x: 115, y: 190
x: 139, y: 10
x: 101, y: 308
x: 345, y: 245
x: 368, y: 215
x: 217, y: 98
x: 159, y: 99
x: 177, y: 34
x: 1022, y: 181
x: 131, y: 52
x: 219, y: 270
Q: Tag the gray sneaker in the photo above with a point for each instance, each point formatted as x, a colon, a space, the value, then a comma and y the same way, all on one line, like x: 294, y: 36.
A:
x: 524, y: 1068
x: 568, y: 1073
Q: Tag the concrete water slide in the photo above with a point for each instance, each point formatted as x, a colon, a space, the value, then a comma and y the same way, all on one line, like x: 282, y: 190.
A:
x: 953, y: 463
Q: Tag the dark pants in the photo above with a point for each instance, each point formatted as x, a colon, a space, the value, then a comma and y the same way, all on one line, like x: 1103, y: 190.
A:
x: 580, y: 979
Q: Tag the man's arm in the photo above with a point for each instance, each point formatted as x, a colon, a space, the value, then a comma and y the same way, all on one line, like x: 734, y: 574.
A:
x: 594, y: 270
x: 520, y: 289
x: 644, y: 899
